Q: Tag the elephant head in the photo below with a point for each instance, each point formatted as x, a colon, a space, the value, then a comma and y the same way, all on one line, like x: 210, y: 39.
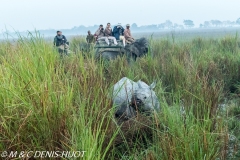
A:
x: 139, y: 47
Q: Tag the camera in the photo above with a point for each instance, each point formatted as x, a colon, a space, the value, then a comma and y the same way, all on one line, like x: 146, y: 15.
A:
x: 102, y: 29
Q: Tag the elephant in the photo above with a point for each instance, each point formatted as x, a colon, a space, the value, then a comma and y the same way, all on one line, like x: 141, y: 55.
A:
x: 136, y: 49
x: 130, y: 97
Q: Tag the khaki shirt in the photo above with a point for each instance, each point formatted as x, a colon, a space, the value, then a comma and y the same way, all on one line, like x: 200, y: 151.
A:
x: 100, y: 33
x: 127, y: 33
x: 90, y: 38
x: 108, y: 32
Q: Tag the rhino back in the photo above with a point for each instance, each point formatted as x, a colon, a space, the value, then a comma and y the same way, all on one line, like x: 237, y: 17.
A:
x: 123, y: 90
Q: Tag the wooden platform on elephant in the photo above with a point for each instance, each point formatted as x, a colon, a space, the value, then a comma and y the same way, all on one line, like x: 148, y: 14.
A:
x: 102, y: 44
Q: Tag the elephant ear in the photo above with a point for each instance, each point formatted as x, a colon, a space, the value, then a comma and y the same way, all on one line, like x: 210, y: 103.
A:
x: 142, y: 46
x: 138, y: 47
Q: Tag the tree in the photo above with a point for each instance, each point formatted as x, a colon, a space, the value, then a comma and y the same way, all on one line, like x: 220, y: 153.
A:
x: 188, y: 23
x: 216, y: 23
x: 168, y: 24
x: 207, y: 24
x: 134, y: 26
x: 175, y: 25
x: 161, y: 26
x: 238, y: 21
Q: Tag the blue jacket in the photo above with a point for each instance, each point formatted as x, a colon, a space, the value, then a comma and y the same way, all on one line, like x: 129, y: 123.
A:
x: 117, y: 32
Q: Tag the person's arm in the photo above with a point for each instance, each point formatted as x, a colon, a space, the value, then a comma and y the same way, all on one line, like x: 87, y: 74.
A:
x: 97, y: 32
x: 115, y: 30
x: 87, y: 39
x: 102, y: 32
x: 106, y: 32
x: 122, y: 31
x: 65, y: 39
x: 130, y: 34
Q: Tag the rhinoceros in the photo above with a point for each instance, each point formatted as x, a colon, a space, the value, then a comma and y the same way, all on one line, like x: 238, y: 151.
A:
x: 130, y: 97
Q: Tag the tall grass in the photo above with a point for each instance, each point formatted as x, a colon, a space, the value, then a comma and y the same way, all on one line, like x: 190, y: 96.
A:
x: 53, y: 103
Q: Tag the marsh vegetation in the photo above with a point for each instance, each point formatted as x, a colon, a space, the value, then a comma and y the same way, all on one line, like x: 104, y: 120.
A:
x: 52, y: 103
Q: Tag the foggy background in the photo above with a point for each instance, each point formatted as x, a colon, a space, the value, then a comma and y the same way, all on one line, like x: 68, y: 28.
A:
x: 78, y: 16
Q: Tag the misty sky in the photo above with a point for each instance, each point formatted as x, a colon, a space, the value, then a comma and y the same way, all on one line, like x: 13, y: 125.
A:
x: 65, y: 14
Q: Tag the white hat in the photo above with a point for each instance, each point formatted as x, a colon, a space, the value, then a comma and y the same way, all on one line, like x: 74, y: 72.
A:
x: 128, y: 25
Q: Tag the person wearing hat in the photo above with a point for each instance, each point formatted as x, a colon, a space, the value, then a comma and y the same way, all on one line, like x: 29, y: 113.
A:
x: 128, y: 35
x: 90, y: 38
x: 118, y: 33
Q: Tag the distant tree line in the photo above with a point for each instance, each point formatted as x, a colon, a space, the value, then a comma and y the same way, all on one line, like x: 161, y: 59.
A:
x: 187, y: 24
x: 218, y: 23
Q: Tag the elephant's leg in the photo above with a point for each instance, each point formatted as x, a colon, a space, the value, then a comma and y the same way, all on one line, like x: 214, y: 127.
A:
x: 131, y: 58
x: 106, y: 57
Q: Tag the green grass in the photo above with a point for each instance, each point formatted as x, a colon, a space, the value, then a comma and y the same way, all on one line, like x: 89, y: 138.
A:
x: 49, y: 103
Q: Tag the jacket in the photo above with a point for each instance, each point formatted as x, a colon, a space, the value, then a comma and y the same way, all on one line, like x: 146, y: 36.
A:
x: 100, y: 33
x: 59, y: 40
x: 108, y: 32
x: 127, y: 33
x: 117, y: 32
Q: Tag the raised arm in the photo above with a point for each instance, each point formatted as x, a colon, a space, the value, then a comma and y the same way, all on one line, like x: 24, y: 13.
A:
x: 107, y: 32
x: 97, y: 32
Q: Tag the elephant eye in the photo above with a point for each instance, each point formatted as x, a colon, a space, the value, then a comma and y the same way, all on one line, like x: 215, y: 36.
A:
x: 145, y: 97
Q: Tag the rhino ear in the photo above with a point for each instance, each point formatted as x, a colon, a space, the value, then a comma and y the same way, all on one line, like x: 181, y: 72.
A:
x: 139, y: 84
x: 153, y: 85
